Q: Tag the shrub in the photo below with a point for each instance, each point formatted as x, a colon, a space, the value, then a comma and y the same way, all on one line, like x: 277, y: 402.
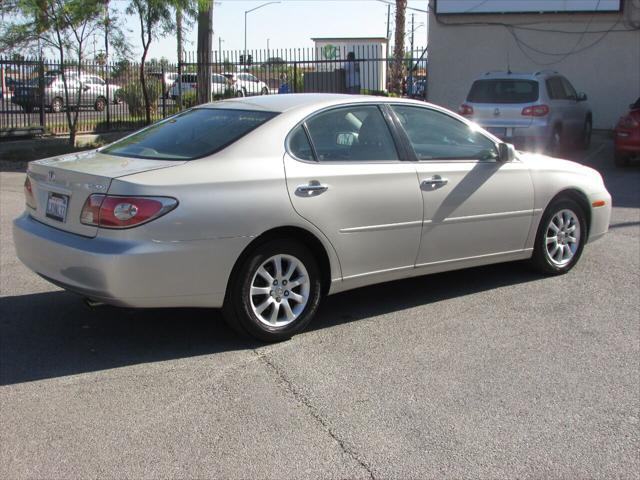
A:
x: 189, y: 99
x: 132, y: 95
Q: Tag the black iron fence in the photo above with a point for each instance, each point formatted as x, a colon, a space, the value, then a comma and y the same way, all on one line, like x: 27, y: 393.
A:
x: 38, y: 95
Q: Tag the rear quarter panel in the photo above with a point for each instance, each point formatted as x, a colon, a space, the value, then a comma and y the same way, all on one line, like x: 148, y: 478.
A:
x: 225, y: 200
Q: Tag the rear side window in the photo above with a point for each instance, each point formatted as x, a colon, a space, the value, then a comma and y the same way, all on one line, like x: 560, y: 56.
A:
x: 556, y: 89
x: 503, y: 91
x: 218, y: 79
x: 355, y: 133
x: 299, y: 144
x: 190, y: 135
x: 189, y: 78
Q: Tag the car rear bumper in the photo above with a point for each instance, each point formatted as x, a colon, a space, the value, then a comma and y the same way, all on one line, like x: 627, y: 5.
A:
x: 130, y: 273
x: 627, y: 141
x: 532, y: 137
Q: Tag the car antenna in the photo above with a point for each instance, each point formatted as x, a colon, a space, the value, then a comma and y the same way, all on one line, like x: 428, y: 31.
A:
x: 508, y: 63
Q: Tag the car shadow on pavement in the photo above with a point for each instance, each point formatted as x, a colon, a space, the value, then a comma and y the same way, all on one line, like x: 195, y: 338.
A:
x: 54, y: 334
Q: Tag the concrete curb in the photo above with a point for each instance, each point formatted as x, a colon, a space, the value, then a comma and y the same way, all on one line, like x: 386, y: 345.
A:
x: 14, y: 149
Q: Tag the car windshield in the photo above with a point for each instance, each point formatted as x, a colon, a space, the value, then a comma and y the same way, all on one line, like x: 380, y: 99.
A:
x: 190, y: 135
x: 503, y: 91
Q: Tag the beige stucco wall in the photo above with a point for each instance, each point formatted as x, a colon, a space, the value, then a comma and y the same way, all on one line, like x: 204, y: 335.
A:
x: 609, y: 71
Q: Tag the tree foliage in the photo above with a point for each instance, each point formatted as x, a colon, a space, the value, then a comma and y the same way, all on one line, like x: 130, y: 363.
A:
x: 156, y: 17
x: 62, y: 26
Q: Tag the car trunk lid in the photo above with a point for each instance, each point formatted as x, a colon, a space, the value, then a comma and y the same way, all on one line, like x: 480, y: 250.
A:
x: 61, y: 185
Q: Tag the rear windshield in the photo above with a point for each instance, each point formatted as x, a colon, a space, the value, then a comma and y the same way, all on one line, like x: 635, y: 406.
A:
x: 503, y: 91
x: 190, y: 135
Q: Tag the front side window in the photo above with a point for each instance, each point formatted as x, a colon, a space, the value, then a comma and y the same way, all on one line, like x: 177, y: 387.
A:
x: 355, y: 133
x: 190, y: 135
x: 437, y: 136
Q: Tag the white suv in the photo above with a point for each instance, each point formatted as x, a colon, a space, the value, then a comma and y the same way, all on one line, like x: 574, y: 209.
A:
x: 534, y: 111
x: 220, y: 86
x: 246, y: 84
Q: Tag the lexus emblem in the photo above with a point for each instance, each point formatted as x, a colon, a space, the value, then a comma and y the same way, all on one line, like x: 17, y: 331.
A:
x: 52, y: 175
x: 496, y: 112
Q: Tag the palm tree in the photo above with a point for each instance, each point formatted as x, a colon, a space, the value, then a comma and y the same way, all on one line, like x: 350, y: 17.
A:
x: 398, y: 50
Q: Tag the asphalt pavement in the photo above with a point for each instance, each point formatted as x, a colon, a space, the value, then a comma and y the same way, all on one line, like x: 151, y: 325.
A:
x: 491, y: 372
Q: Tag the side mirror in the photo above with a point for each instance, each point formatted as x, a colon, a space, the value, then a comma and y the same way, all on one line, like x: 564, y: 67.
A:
x: 582, y: 97
x: 506, y: 152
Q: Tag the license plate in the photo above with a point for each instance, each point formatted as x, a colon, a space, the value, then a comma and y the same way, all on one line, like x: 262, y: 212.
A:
x: 57, y: 206
x: 498, y: 132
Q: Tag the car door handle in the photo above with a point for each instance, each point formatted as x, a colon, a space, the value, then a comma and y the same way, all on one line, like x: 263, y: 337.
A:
x: 435, y: 181
x: 312, y: 188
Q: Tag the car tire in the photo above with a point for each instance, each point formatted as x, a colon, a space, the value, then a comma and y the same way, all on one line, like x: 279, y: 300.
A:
x: 240, y: 92
x: 621, y: 159
x: 585, y: 138
x: 100, y: 104
x: 259, y: 300
x: 265, y: 91
x: 28, y: 109
x: 56, y: 105
x: 560, y: 238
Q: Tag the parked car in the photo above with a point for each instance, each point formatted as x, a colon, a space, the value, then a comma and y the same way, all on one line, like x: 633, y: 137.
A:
x: 540, y: 110
x: 246, y: 84
x: 11, y: 83
x: 220, y: 85
x: 263, y: 205
x: 92, y: 89
x: 168, y: 78
x: 627, y: 136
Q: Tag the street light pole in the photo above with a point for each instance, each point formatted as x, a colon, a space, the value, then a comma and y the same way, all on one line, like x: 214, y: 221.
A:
x: 245, y: 23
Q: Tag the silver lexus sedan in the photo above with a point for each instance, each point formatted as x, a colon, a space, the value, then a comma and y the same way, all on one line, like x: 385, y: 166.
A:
x: 263, y: 205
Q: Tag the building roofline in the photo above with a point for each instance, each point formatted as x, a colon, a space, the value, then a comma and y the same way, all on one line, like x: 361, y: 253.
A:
x: 377, y: 39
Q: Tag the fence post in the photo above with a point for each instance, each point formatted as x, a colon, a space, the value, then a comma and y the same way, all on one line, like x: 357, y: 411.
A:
x: 164, y: 92
x: 179, y: 85
x: 295, y: 75
x: 109, y: 99
x: 41, y: 89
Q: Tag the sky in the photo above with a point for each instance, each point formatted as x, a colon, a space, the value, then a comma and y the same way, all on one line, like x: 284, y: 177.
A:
x: 289, y: 24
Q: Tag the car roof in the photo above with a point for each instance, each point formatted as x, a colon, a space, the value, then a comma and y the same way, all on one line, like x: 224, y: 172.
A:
x: 293, y: 101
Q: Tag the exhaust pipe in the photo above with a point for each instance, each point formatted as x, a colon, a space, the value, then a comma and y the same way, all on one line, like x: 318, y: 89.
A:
x: 92, y: 303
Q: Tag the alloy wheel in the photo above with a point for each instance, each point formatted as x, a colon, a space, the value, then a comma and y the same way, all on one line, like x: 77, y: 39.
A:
x: 562, y: 237
x: 279, y: 291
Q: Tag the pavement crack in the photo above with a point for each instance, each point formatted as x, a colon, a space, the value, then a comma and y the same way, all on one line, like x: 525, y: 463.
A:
x: 313, y: 411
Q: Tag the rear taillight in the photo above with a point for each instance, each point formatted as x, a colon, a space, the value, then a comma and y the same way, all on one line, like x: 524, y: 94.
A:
x: 29, y: 198
x: 107, y: 211
x: 628, y: 122
x: 465, y: 110
x: 535, y: 111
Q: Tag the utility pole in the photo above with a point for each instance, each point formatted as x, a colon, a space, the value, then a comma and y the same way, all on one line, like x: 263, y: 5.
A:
x: 179, y: 52
x: 245, y: 23
x: 386, y: 56
x: 410, y: 81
